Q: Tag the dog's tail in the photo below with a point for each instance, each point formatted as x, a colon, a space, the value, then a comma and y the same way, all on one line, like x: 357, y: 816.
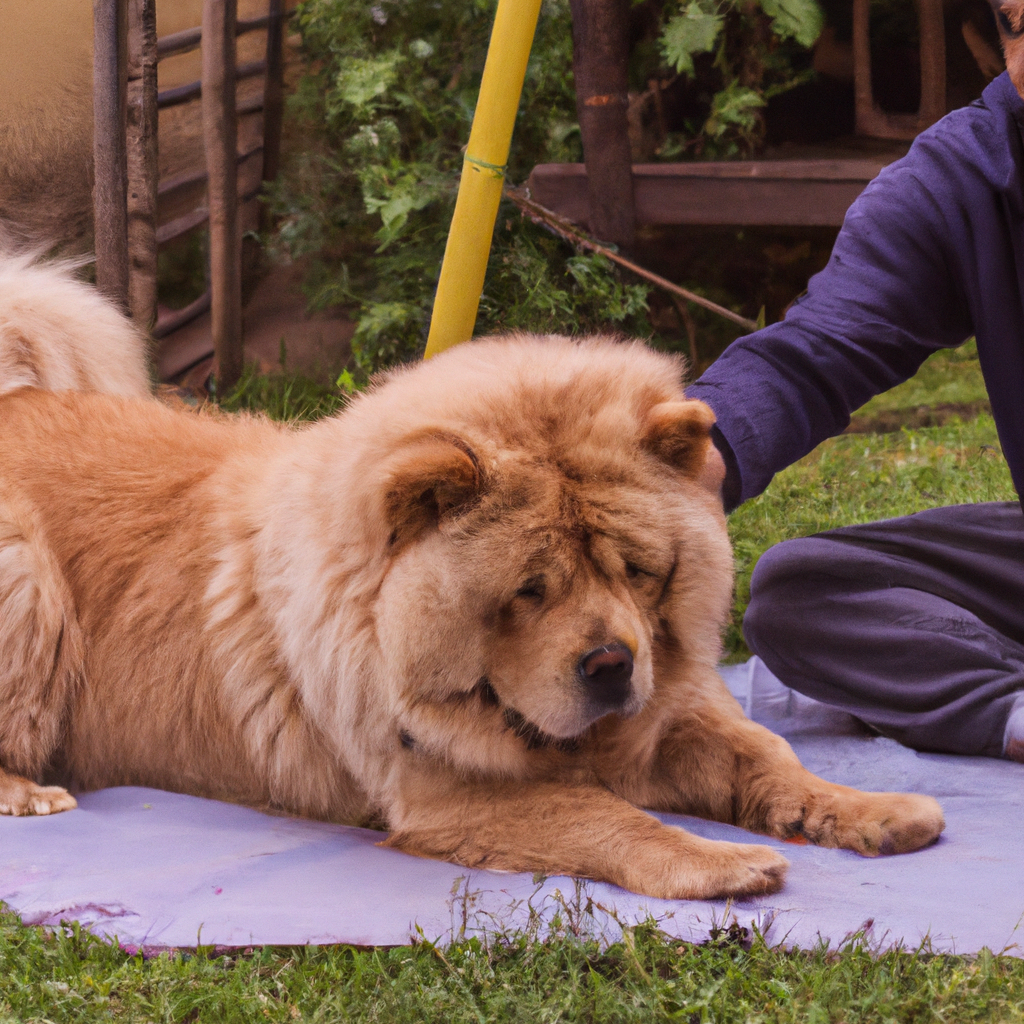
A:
x: 61, y: 334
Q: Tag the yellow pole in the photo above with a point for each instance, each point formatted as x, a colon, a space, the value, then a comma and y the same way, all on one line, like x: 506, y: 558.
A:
x: 483, y: 175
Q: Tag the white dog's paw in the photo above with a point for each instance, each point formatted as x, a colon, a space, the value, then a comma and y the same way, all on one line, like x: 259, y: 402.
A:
x: 19, y: 796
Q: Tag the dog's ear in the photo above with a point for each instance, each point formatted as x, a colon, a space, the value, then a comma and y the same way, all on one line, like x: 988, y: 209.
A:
x: 430, y: 477
x: 1010, y: 19
x: 679, y: 433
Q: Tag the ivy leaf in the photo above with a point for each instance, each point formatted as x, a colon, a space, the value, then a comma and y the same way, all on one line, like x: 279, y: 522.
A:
x: 364, y: 80
x: 383, y: 331
x: 394, y: 198
x: 346, y: 382
x: 693, y: 30
x: 801, y: 20
x: 734, y: 108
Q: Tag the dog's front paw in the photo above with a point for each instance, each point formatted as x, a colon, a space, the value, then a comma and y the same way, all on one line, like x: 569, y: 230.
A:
x: 899, y: 823
x: 20, y: 796
x: 749, y: 871
x: 705, y: 870
x: 874, y: 824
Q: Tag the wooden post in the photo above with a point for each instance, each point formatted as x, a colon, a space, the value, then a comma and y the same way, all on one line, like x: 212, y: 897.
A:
x: 142, y: 161
x: 600, y: 59
x: 863, y: 93
x: 220, y: 131
x: 933, y: 62
x: 273, y: 92
x: 110, y: 187
x: 870, y: 118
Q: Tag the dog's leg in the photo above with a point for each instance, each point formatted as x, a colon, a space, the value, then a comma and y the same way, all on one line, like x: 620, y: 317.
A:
x: 584, y: 831
x: 714, y: 762
x: 40, y: 656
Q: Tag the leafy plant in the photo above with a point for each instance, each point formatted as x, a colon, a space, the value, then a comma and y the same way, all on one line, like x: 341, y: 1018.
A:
x: 756, y: 46
x: 394, y: 85
x: 694, y: 29
x: 388, y: 101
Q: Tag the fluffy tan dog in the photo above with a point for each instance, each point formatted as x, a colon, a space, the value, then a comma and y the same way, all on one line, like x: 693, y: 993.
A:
x: 480, y: 607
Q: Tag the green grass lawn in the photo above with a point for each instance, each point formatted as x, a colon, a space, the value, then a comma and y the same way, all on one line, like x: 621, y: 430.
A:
x: 644, y: 978
x: 647, y: 977
x: 950, y: 377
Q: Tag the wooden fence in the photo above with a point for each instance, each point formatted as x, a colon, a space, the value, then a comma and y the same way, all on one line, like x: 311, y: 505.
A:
x: 128, y: 194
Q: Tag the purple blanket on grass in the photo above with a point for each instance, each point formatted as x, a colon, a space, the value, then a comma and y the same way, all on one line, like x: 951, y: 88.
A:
x: 158, y: 870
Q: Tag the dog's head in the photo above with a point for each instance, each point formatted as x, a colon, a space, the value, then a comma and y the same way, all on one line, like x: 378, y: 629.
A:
x: 1010, y: 20
x: 551, y: 555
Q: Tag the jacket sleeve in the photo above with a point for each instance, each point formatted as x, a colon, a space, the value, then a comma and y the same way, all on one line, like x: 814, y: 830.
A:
x: 888, y: 297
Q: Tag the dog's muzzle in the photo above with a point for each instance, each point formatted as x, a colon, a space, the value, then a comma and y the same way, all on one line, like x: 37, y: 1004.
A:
x: 606, y: 673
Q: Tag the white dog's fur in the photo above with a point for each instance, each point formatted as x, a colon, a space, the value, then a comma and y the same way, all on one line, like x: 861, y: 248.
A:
x: 59, y: 334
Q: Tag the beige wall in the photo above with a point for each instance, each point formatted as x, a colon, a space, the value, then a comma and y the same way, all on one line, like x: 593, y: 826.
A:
x: 46, y: 109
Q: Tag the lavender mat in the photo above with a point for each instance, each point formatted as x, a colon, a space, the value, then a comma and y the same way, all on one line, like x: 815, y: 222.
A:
x: 160, y: 870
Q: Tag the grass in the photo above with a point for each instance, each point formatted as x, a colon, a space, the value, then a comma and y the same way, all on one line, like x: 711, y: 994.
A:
x: 283, y: 396
x: 647, y: 977
x: 950, y: 377
x: 69, y: 976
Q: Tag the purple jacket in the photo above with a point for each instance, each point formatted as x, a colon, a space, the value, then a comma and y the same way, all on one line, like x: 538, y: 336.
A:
x: 930, y: 253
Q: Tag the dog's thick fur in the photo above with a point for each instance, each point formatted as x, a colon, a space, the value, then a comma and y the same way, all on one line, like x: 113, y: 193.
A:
x: 391, y: 616
x: 59, y: 335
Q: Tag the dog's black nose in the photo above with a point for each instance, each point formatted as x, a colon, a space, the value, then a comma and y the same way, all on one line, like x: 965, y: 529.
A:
x: 606, y: 672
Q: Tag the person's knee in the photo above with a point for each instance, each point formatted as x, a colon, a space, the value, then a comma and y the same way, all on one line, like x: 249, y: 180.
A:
x: 780, y: 587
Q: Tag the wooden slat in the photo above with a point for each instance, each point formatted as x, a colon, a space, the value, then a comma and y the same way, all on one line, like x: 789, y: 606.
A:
x: 254, y: 24
x: 179, y: 94
x: 143, y: 171
x: 871, y: 120
x: 253, y: 105
x: 273, y: 91
x: 757, y: 192
x: 600, y: 61
x: 180, y: 181
x: 200, y: 215
x: 220, y: 133
x: 184, y: 93
x: 110, y: 189
x: 185, y: 41
x: 181, y: 225
x: 189, y: 39
x: 172, y: 321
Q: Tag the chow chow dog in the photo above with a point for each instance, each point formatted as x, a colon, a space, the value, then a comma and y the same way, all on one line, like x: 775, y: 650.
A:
x: 479, y: 608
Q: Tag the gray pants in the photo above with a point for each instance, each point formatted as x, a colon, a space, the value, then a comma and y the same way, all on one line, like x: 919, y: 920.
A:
x: 914, y: 625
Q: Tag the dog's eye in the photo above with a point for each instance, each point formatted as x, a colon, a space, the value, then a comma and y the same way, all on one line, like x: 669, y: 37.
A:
x: 533, y: 589
x: 633, y: 571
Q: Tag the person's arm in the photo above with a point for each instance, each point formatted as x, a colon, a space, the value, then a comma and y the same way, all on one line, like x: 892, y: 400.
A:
x: 889, y: 297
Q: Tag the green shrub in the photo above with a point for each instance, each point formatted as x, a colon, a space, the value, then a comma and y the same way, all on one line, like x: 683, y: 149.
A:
x: 389, y: 97
x: 394, y: 87
x: 758, y: 52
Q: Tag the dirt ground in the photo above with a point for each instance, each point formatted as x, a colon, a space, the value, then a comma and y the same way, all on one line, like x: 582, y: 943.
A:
x: 316, y: 344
